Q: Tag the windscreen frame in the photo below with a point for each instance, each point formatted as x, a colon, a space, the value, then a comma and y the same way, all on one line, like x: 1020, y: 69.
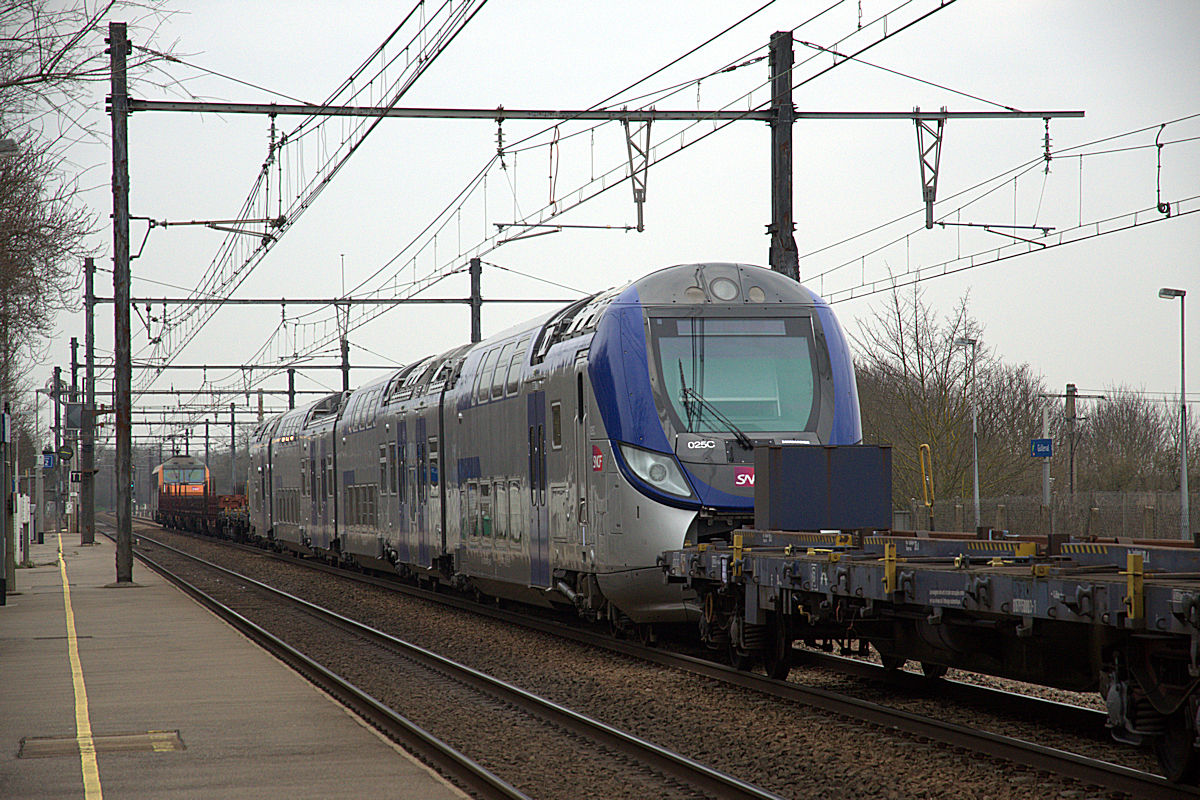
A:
x: 805, y: 324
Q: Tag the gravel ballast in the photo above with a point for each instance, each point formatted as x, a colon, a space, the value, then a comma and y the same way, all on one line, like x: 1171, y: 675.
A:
x: 789, y: 749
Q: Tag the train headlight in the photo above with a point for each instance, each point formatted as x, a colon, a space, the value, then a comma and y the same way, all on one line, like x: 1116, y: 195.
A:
x: 657, y: 469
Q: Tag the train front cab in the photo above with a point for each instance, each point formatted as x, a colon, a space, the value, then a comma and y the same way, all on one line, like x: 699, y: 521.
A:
x: 692, y: 367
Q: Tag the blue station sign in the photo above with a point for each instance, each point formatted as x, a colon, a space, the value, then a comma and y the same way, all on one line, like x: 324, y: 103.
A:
x: 1041, y: 448
x: 48, y: 460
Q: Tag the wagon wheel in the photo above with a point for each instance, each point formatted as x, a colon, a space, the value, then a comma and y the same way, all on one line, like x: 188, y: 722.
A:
x: 778, y: 657
x: 933, y: 671
x: 739, y: 659
x: 1177, y: 756
x: 891, y: 662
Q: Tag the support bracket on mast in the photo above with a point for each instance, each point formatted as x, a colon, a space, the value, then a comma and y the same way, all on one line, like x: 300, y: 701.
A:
x: 637, y: 141
x: 929, y: 153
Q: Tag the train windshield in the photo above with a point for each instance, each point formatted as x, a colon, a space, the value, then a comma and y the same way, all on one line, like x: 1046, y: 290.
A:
x: 184, y: 475
x: 759, y: 373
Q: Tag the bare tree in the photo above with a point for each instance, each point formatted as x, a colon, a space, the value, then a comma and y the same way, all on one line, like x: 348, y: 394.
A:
x: 51, y: 54
x: 915, y: 388
x: 1127, y: 443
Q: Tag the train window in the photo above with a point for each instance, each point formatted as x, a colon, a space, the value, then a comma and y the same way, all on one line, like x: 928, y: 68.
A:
x: 514, y: 367
x: 516, y: 517
x: 579, y: 397
x: 532, y: 468
x: 390, y: 483
x: 556, y: 426
x: 473, y: 507
x: 383, y: 466
x: 541, y: 467
x: 501, y: 371
x: 483, y: 380
x: 329, y: 483
x: 303, y: 476
x: 500, y: 518
x: 372, y: 406
x: 312, y: 476
x: 485, y: 509
x: 401, y: 475
x: 433, y: 461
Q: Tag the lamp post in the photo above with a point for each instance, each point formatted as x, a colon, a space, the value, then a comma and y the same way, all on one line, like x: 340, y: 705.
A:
x: 1184, y: 511
x: 973, y: 344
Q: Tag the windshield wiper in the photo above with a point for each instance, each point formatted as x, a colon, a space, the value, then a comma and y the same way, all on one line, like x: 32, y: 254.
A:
x: 742, y: 438
x: 687, y: 402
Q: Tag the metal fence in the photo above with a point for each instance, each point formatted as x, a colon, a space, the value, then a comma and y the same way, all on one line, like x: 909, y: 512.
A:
x: 1135, y: 515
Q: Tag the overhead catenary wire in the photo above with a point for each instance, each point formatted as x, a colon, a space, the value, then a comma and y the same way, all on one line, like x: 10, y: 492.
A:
x: 683, y: 145
x: 1001, y: 180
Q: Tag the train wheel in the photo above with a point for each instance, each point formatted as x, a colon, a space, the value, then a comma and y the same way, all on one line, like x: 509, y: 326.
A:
x: 933, y: 671
x: 739, y: 659
x: 892, y: 663
x: 1177, y: 756
x: 778, y: 656
x: 647, y: 635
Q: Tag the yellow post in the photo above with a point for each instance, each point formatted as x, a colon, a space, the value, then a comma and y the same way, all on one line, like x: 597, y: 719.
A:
x: 1135, y: 591
x: 889, y: 568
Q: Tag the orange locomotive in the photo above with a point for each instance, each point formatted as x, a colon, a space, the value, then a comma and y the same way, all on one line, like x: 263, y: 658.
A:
x: 184, y: 498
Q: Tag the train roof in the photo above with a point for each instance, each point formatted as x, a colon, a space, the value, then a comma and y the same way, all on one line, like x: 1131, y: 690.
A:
x: 181, y: 461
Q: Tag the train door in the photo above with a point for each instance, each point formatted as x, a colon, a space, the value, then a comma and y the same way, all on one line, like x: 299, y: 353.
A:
x: 314, y: 496
x: 401, y: 489
x: 539, y: 522
x: 582, y: 464
x: 422, y: 487
x: 269, y: 487
x: 435, y: 534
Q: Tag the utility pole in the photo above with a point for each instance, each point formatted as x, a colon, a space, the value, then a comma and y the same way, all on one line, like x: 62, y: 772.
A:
x: 291, y: 388
x: 58, y: 501
x: 1046, y: 471
x: 232, y: 450
x: 784, y: 256
x: 206, y: 442
x: 1071, y: 395
x: 118, y: 49
x: 74, y: 396
x: 345, y: 362
x: 476, y: 270
x: 87, y: 443
x: 1069, y: 413
x: 5, y: 429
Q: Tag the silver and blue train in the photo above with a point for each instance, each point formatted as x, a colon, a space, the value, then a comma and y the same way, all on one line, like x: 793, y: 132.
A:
x: 554, y: 463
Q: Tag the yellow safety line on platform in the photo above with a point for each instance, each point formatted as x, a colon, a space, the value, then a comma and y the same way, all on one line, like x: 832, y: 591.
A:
x: 83, y: 722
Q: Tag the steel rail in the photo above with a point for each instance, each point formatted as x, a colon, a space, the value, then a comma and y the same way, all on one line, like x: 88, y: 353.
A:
x: 1076, y: 718
x: 1029, y: 754
x: 665, y: 761
x: 445, y: 758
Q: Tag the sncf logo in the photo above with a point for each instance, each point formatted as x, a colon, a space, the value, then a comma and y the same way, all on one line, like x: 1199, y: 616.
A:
x: 743, y: 476
x: 701, y: 444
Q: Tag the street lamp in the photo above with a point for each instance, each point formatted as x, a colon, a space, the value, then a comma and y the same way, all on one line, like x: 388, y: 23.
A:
x: 1184, y: 512
x: 973, y: 344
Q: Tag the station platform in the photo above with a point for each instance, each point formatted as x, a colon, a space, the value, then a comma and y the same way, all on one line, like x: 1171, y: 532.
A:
x: 138, y: 692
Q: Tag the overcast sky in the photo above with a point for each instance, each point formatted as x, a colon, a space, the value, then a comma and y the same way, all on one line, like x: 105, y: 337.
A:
x: 1086, y: 313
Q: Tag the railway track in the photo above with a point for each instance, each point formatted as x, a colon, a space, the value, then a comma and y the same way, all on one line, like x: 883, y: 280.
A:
x: 1089, y: 771
x: 650, y: 764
